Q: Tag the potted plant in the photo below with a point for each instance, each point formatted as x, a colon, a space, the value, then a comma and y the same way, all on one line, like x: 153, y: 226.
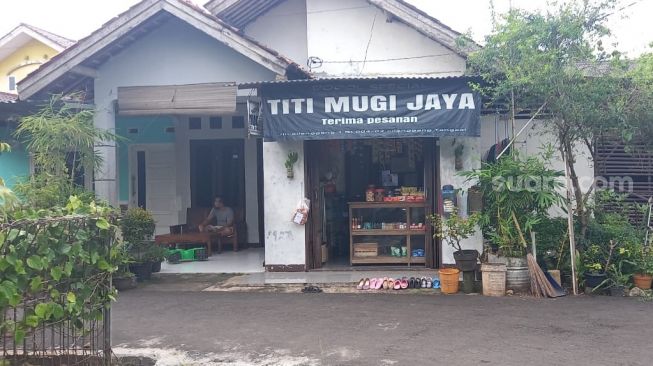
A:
x: 138, y: 226
x: 454, y: 229
x: 596, y: 262
x: 156, y: 256
x: 124, y: 280
x: 644, y: 267
x: 293, y: 157
x: 619, y: 279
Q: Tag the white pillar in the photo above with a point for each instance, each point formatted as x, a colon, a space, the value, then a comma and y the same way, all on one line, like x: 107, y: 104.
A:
x: 106, y: 183
x: 285, y: 241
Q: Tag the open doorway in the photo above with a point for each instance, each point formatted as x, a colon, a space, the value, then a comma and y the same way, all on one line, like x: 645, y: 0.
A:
x: 371, y: 198
x: 218, y: 169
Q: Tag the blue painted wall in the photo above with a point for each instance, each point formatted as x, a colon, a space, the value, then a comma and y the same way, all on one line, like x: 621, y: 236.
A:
x: 14, y: 165
x: 149, y: 130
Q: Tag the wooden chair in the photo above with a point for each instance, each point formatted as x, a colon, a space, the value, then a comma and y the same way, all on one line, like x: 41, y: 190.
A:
x: 238, y: 227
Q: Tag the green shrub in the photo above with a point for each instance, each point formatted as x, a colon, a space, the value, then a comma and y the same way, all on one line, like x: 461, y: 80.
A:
x: 137, y: 224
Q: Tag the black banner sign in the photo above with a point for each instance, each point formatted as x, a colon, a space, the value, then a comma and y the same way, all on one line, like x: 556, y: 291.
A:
x: 372, y: 108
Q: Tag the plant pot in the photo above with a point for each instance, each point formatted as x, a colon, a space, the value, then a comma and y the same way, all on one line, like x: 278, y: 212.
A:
x: 156, y: 267
x: 617, y: 291
x: 466, y: 259
x: 643, y: 281
x: 518, y: 278
x: 494, y: 279
x: 449, y: 280
x: 124, y: 283
x: 290, y: 173
x: 594, y: 279
x: 143, y: 271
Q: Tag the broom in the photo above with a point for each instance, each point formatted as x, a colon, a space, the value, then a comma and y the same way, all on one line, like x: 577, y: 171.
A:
x: 540, y: 284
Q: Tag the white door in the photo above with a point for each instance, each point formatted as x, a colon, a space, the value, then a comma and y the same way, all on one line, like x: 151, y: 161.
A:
x: 160, y: 186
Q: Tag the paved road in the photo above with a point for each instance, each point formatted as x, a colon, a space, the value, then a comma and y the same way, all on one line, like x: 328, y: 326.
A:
x: 381, y: 329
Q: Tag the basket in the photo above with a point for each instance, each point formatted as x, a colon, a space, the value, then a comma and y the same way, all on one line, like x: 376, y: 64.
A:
x: 366, y: 250
x: 449, y: 280
x: 188, y: 254
x: 200, y: 254
x: 173, y: 256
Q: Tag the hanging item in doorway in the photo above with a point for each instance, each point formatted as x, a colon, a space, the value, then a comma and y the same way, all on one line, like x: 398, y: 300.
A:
x: 290, y: 162
x: 300, y: 216
x: 458, y: 154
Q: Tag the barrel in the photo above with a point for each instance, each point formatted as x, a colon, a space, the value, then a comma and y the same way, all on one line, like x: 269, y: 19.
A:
x: 517, y: 275
x: 494, y: 279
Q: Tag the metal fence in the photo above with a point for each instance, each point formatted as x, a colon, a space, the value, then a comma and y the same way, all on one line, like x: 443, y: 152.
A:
x: 68, y: 340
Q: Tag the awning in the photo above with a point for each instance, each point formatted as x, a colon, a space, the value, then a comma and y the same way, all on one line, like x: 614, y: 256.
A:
x: 210, y: 98
x: 370, y: 108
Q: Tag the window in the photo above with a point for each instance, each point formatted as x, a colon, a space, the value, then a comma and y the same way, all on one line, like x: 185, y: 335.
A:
x: 12, y: 83
x: 170, y: 130
x: 216, y: 123
x: 195, y: 123
x: 238, y: 122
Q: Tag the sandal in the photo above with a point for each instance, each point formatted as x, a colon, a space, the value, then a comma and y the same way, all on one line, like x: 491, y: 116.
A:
x: 423, y: 282
x: 366, y: 285
x: 411, y: 282
x: 397, y: 285
x: 379, y: 284
x: 391, y: 283
x: 436, y: 283
x: 372, y: 283
x: 404, y: 283
x: 385, y: 283
x: 428, y: 282
x: 311, y: 290
x: 360, y: 284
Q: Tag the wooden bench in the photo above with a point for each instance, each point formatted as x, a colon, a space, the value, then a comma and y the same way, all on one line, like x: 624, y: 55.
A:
x: 189, y: 233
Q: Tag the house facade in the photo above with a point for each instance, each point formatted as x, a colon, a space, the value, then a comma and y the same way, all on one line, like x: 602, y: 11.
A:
x: 190, y: 90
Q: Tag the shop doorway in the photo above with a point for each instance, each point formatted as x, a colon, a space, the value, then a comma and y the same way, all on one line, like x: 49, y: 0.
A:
x: 370, y: 202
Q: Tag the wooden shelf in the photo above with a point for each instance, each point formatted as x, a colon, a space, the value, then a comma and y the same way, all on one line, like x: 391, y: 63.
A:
x: 404, y: 214
x: 386, y: 259
x: 403, y: 204
x: 361, y: 232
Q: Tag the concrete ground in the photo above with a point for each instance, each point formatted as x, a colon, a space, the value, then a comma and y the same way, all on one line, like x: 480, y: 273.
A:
x: 185, y: 326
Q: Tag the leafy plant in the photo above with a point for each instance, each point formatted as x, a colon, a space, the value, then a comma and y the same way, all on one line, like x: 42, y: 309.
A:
x: 55, y: 265
x: 137, y: 225
x: 454, y: 228
x: 517, y: 195
x: 293, y: 157
x: 643, y: 259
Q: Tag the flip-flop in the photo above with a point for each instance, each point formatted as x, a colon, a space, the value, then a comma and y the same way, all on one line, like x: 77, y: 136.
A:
x: 397, y: 285
x: 404, y: 283
x: 428, y: 282
x: 385, y: 283
x: 372, y: 283
x: 379, y: 284
x: 366, y: 285
x: 391, y: 283
x: 360, y: 284
x: 311, y: 290
x: 436, y: 283
x: 423, y: 282
x: 411, y: 282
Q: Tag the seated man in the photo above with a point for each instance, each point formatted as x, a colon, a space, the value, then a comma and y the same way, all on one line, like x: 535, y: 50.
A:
x: 220, y: 219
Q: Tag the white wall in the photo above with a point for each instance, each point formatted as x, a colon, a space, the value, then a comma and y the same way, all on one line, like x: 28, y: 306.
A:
x: 449, y: 175
x: 339, y: 30
x: 285, y: 241
x: 283, y: 28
